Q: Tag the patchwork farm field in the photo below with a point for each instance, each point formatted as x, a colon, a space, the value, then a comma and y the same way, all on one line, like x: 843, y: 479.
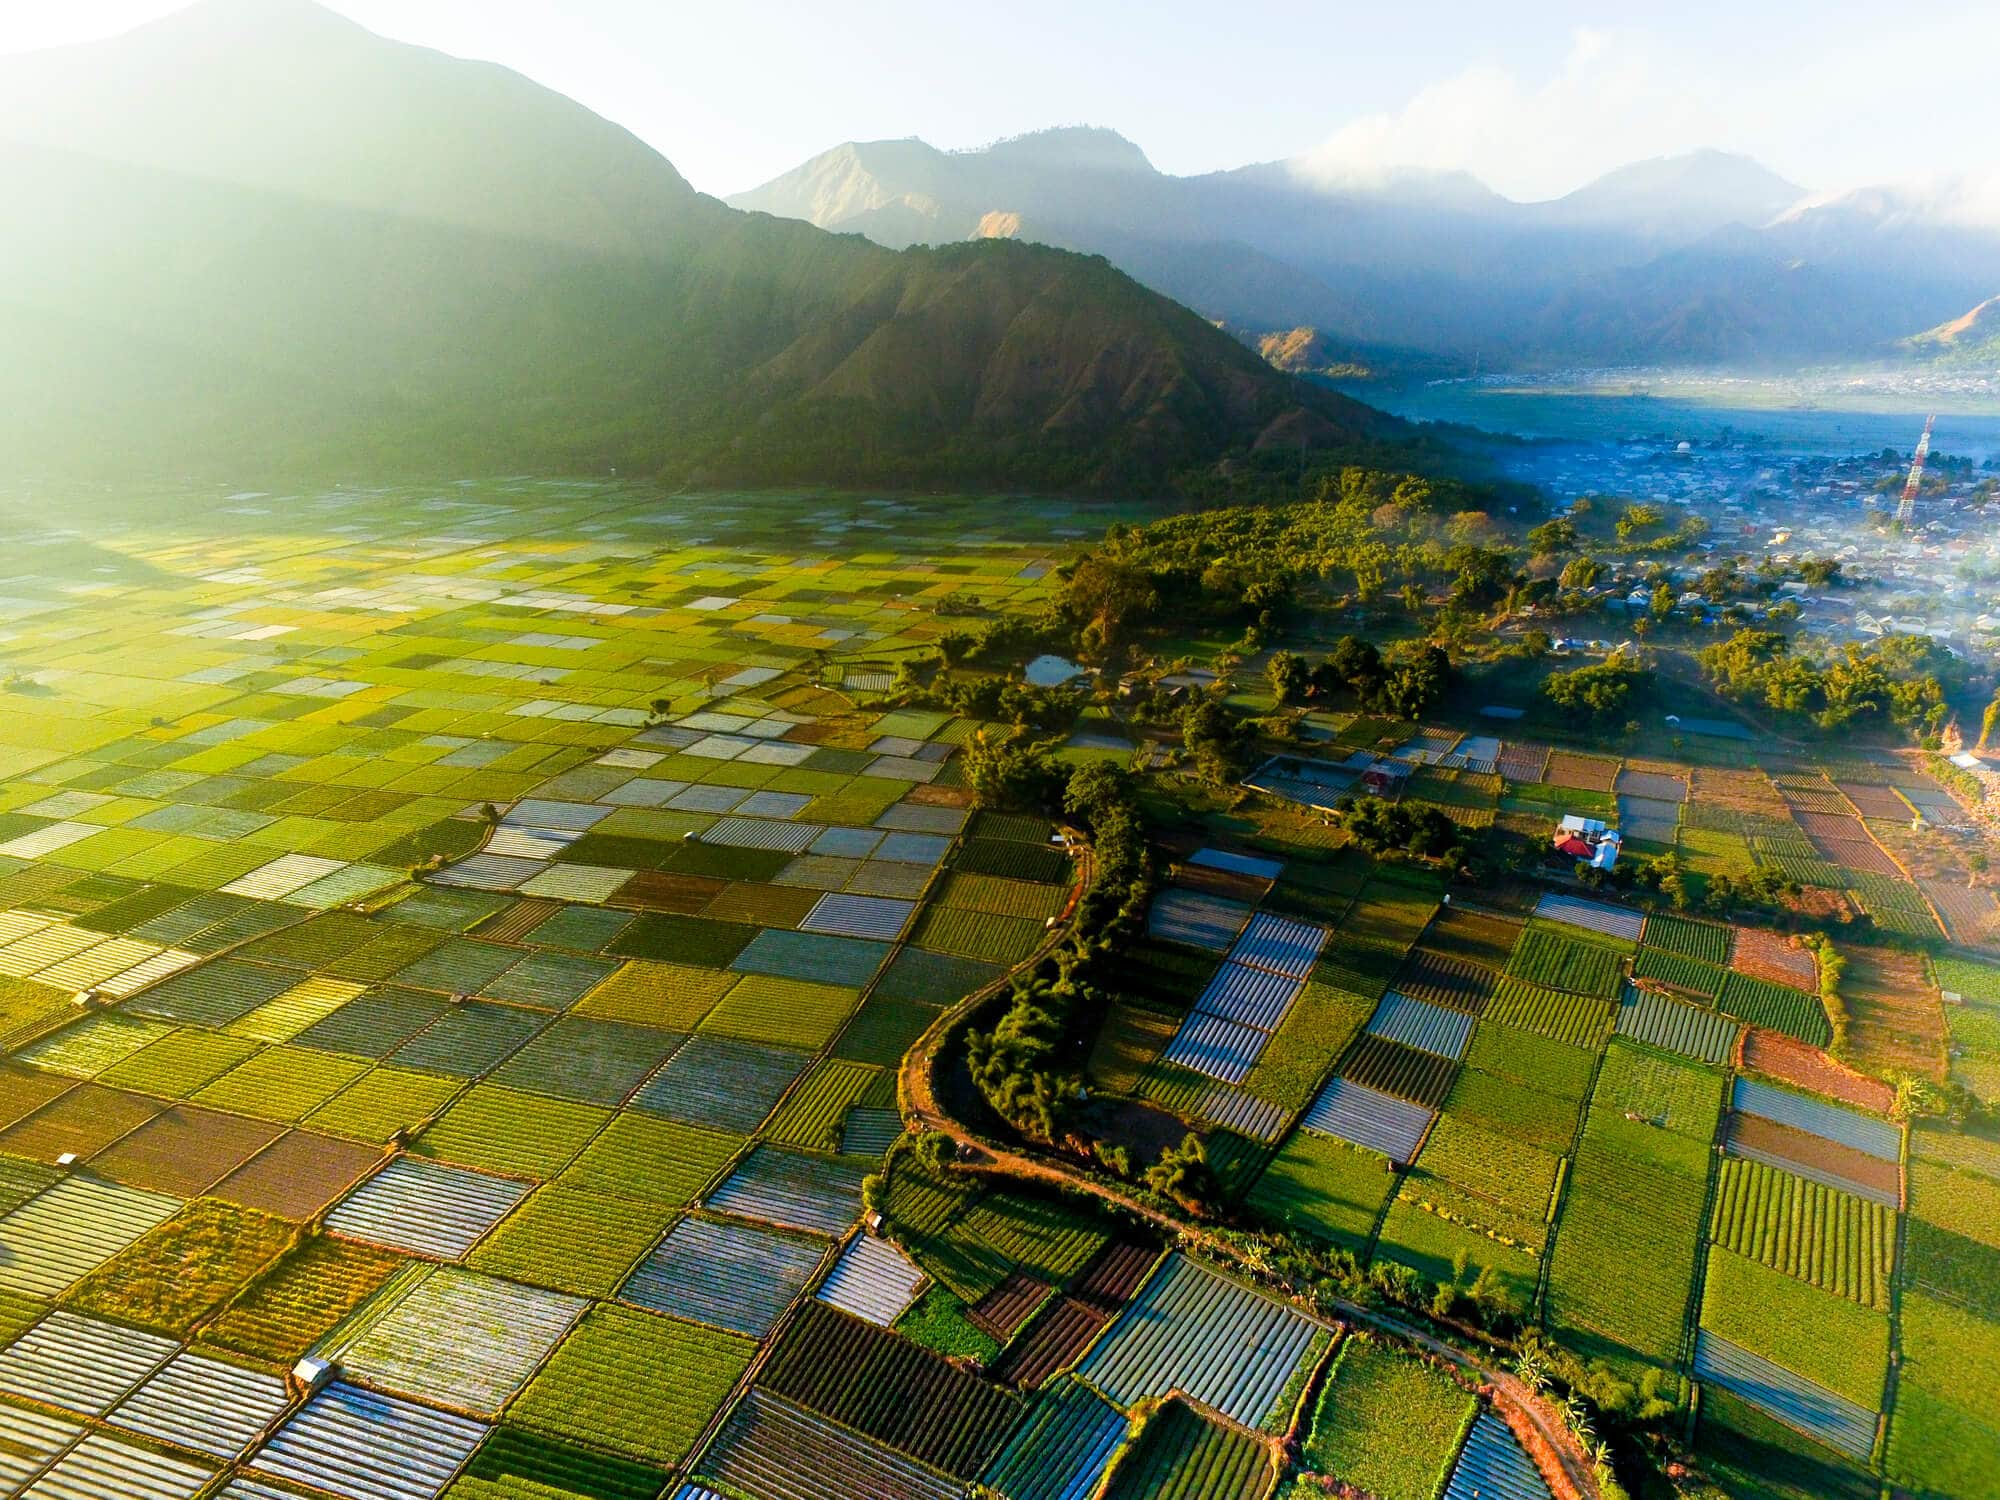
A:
x: 470, y: 936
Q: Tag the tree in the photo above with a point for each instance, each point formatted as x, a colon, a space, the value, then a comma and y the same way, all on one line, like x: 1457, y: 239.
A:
x: 1354, y: 665
x: 1581, y: 573
x: 1551, y: 537
x: 1638, y: 518
x: 1596, y: 694
x: 1480, y: 576
x: 1289, y: 675
x: 1010, y: 771
x: 1662, y: 604
x: 1214, y: 740
x: 1183, y: 1174
x: 1417, y: 830
x: 1410, y: 687
x: 1104, y: 597
x: 1820, y: 572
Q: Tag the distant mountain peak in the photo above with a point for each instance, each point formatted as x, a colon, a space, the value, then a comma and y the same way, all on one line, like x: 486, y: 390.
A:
x: 236, y: 19
x: 1075, y: 147
x: 1437, y: 186
x: 1705, y: 188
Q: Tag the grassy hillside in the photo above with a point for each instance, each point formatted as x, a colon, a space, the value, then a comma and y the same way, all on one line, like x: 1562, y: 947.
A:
x: 1971, y: 340
x: 256, y: 235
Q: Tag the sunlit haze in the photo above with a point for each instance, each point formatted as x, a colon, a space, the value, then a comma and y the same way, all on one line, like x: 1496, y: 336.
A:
x: 1535, y: 101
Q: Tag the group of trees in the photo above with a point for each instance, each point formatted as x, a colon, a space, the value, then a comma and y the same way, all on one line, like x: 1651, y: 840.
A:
x: 1900, y: 681
x: 1763, y: 889
x: 1216, y: 740
x: 1374, y: 531
x: 1417, y: 830
x: 1599, y: 695
x: 1049, y: 709
x: 1406, y: 683
x: 1028, y: 1067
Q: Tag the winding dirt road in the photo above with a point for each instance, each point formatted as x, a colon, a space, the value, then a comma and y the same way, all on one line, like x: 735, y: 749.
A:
x: 919, y: 1096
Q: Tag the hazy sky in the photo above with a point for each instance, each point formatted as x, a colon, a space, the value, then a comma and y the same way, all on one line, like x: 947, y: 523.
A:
x: 1535, y: 99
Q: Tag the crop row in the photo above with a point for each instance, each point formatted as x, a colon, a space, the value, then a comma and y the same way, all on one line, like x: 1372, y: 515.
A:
x: 1421, y: 1077
x: 1968, y: 978
x: 1834, y: 1240
x: 185, y: 1269
x: 505, y: 1130
x: 977, y: 934
x: 1691, y: 976
x: 1625, y: 1252
x: 1511, y: 1173
x: 1181, y: 1455
x: 1012, y: 860
x: 1831, y: 1341
x: 1387, y: 1423
x: 1002, y: 898
x: 1474, y: 936
x: 1776, y: 1007
x: 1454, y: 982
x: 301, y: 1298
x: 1707, y: 941
x: 636, y: 1382
x: 783, y: 1012
x: 1576, y: 1020
x: 572, y: 1239
x: 1547, y: 957
x: 892, y: 1390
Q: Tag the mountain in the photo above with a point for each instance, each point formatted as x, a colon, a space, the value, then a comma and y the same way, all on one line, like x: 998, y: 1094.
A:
x: 1694, y: 258
x: 1697, y: 193
x: 254, y: 233
x: 1972, y: 338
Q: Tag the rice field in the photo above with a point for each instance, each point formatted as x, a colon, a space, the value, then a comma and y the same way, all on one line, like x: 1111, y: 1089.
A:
x: 521, y: 891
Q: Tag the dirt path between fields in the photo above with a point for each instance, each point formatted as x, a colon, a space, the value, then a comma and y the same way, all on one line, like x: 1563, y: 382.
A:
x: 919, y: 1097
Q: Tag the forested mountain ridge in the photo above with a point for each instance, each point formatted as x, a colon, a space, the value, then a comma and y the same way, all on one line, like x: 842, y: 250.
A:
x: 256, y: 234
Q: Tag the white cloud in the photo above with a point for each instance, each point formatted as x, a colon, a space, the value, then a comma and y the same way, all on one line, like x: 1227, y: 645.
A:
x: 1608, y: 103
x: 1842, y: 108
x: 1969, y: 200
